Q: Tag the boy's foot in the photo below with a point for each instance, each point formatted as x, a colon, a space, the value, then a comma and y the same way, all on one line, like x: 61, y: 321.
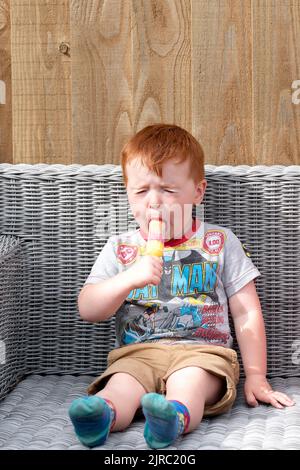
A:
x: 163, y: 422
x: 92, y: 418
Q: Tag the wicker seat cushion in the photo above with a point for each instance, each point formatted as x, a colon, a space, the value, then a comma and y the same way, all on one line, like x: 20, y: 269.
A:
x: 35, y: 416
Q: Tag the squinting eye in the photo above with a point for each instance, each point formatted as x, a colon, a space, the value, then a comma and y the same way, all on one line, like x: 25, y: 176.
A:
x: 166, y: 190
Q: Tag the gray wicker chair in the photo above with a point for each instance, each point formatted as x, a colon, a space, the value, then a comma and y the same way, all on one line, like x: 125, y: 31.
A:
x: 54, y: 220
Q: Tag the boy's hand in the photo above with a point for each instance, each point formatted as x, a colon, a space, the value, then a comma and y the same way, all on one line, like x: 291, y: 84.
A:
x: 147, y: 270
x: 257, y: 388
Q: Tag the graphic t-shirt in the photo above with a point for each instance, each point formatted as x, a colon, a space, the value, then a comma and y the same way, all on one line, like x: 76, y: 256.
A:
x: 201, y: 272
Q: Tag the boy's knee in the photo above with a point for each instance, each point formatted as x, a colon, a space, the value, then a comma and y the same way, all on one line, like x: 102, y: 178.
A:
x: 125, y: 385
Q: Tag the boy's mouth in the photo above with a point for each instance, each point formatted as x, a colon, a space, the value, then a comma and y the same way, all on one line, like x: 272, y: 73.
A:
x: 156, y: 214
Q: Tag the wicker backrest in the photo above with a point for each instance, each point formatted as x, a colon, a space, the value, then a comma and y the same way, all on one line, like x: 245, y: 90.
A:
x: 64, y: 214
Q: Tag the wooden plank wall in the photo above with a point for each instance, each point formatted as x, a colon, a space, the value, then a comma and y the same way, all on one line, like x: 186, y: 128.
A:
x: 6, y: 154
x: 81, y: 77
x: 41, y: 82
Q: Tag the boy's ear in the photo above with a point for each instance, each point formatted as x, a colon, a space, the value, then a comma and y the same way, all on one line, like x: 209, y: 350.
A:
x: 201, y: 187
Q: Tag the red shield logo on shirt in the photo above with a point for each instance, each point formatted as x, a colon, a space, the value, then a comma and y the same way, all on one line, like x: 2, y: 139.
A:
x: 127, y: 253
x: 213, y: 242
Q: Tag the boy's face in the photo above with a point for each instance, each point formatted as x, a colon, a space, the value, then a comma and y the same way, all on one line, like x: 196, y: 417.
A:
x: 171, y: 196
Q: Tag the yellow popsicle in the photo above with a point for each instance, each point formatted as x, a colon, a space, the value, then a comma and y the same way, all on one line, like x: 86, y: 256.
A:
x: 155, y: 244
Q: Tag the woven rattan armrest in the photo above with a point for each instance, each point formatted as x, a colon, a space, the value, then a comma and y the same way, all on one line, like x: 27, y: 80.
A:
x: 12, y: 312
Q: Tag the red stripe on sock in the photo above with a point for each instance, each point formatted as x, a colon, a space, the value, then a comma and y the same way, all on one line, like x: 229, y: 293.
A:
x: 112, y: 406
x: 186, y: 415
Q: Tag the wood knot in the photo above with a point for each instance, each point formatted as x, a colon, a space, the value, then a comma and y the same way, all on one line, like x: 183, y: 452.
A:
x: 64, y: 48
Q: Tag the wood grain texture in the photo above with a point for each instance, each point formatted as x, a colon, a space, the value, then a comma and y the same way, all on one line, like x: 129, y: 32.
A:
x: 222, y: 80
x: 222, y: 69
x: 6, y: 155
x: 101, y: 79
x: 161, y: 65
x: 276, y: 64
x: 41, y: 82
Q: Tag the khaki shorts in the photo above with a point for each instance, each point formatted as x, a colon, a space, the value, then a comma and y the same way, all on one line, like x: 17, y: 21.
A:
x: 152, y: 363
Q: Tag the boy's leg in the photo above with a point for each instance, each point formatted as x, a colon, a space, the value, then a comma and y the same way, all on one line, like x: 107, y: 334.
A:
x: 125, y: 392
x: 188, y: 390
x: 93, y: 417
x: 194, y: 387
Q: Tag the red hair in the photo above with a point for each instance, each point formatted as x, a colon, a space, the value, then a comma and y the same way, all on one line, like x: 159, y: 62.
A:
x: 158, y: 143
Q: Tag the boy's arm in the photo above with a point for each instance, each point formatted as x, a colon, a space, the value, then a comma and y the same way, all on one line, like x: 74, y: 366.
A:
x: 98, y: 302
x: 250, y: 333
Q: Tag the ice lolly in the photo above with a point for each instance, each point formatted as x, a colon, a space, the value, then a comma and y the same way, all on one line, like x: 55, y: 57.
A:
x: 155, y: 243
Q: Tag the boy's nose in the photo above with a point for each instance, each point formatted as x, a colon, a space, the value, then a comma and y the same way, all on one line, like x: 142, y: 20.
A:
x: 154, y: 206
x: 154, y: 200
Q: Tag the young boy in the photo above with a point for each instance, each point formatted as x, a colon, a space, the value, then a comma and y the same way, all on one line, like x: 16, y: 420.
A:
x: 173, y: 354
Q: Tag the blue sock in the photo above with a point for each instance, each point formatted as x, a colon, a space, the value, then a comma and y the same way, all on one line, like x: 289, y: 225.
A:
x: 92, y: 418
x: 165, y: 420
